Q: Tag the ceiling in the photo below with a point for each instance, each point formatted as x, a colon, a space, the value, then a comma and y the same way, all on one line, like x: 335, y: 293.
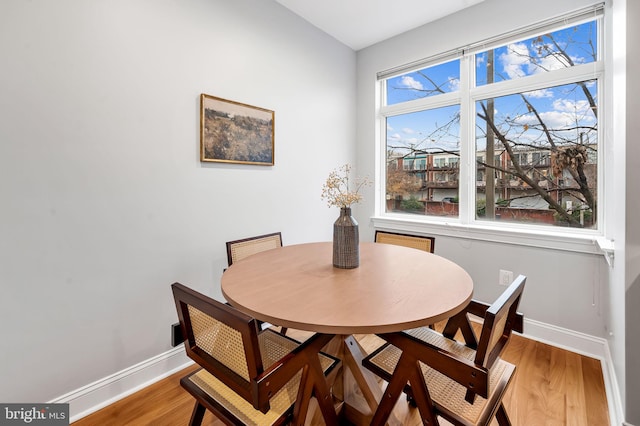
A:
x: 361, y: 23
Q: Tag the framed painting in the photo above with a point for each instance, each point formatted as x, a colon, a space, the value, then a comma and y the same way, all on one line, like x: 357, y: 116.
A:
x: 232, y: 132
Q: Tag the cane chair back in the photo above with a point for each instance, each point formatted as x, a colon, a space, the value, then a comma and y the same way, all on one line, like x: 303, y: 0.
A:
x: 245, y: 247
x: 464, y: 383
x: 239, y: 249
x: 414, y: 241
x: 499, y: 321
x: 249, y: 376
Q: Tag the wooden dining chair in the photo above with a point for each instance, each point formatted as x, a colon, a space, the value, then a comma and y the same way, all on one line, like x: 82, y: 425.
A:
x: 406, y: 240
x: 419, y: 242
x: 245, y: 247
x: 250, y: 376
x: 239, y: 249
x: 462, y: 382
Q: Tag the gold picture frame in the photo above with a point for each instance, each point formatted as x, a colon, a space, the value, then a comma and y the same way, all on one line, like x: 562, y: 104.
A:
x: 233, y: 132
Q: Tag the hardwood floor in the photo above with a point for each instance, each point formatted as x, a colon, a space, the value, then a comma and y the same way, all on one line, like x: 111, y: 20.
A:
x: 554, y: 387
x: 551, y: 387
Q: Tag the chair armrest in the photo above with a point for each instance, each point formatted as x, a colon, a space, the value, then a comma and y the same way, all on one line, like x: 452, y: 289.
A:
x: 454, y: 366
x: 477, y: 308
x: 279, y: 374
x: 460, y: 321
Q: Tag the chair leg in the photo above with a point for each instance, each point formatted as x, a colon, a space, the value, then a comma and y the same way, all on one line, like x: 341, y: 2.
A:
x: 323, y: 395
x: 305, y: 390
x: 421, y: 398
x: 501, y: 416
x: 197, y: 415
x: 313, y: 382
x: 392, y: 393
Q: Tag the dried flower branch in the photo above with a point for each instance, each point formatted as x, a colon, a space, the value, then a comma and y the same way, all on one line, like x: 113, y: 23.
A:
x: 336, y: 190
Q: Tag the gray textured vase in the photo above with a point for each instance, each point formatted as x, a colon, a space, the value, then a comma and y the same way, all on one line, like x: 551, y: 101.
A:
x: 346, y: 241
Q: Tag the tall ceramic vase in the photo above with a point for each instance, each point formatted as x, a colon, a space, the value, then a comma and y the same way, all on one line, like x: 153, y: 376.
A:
x: 346, y: 241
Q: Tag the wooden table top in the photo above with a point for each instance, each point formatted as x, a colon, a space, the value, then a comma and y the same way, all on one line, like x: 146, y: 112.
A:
x: 395, y: 288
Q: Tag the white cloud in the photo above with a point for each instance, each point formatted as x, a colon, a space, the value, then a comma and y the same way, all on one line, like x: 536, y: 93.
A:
x: 519, y: 61
x: 542, y: 93
x: 549, y: 63
x: 565, y: 113
x: 558, y: 119
x: 411, y: 83
x: 580, y: 108
x: 514, y: 60
x: 408, y: 131
x: 454, y: 84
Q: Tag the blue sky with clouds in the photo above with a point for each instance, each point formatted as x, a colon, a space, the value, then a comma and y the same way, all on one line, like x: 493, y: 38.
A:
x: 561, y: 107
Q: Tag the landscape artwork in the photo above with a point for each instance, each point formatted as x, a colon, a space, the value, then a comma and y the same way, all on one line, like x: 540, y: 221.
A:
x: 232, y: 132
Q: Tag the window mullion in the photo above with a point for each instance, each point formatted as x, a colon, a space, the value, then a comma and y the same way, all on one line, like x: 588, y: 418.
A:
x: 467, y: 147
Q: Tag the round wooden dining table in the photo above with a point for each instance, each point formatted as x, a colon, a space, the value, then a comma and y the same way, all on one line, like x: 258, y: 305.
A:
x: 395, y: 288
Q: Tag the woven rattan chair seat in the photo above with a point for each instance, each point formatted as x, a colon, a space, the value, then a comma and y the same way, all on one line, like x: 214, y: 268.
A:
x: 447, y: 394
x: 273, y: 346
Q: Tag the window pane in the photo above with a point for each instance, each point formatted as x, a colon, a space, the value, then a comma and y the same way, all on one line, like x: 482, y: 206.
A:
x: 431, y: 81
x: 544, y: 145
x: 423, y: 162
x: 560, y: 49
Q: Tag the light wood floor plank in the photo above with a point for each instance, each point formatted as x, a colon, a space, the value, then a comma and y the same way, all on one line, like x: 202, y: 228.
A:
x: 514, y: 352
x: 556, y: 392
x: 575, y: 399
x: 594, y: 389
x: 531, y: 376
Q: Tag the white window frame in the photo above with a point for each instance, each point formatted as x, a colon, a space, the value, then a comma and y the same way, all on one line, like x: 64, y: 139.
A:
x: 466, y: 225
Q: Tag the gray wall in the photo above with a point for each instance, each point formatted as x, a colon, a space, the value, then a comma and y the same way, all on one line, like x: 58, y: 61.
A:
x: 633, y: 224
x: 104, y: 202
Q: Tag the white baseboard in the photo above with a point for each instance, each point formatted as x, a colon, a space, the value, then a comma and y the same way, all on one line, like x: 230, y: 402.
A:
x: 614, y: 398
x: 570, y: 340
x: 99, y: 394
x: 108, y: 390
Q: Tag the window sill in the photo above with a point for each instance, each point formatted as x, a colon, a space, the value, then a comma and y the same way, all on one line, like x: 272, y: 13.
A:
x: 505, y: 234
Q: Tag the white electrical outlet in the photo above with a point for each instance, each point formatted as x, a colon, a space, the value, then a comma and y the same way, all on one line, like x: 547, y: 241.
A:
x: 506, y: 277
